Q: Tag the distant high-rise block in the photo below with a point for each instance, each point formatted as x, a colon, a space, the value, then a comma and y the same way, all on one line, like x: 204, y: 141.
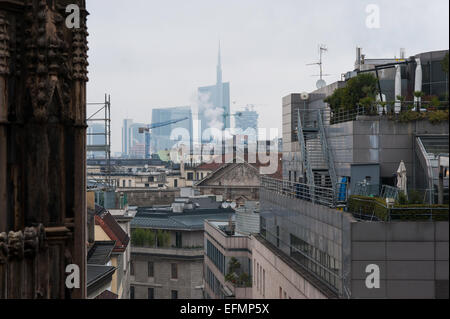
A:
x: 125, y: 134
x: 161, y: 136
x: 214, y: 104
x: 96, y: 136
x: 136, y: 141
x: 248, y: 119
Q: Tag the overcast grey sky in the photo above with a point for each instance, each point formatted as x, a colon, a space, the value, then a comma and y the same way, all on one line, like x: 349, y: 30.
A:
x: 149, y: 53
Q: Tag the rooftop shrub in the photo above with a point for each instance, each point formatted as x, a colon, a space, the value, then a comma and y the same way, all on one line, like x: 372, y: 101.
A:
x: 374, y: 206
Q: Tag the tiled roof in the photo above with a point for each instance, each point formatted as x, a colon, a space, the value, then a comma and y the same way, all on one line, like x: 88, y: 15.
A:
x: 214, y: 167
x: 110, y: 226
x: 100, y: 252
x: 107, y: 295
x: 279, y: 173
x: 98, y: 272
x: 209, y: 166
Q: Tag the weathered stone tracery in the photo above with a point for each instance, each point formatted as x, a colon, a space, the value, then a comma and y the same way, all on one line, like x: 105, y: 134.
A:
x: 43, y: 75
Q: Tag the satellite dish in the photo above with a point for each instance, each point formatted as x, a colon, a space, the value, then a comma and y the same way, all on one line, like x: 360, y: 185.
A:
x: 233, y: 205
x: 321, y: 84
x: 304, y: 96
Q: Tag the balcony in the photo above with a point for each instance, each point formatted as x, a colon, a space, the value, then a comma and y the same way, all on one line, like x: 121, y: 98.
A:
x: 189, y: 253
x: 315, y: 194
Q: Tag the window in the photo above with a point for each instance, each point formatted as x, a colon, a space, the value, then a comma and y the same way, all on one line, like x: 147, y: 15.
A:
x: 295, y: 176
x: 257, y: 275
x: 174, y: 271
x: 264, y: 283
x: 278, y: 236
x: 190, y: 176
x: 131, y: 292
x: 150, y: 269
x: 214, y: 283
x: 281, y: 293
x: 175, y: 183
x: 254, y: 272
x: 178, y: 240
x: 202, y: 175
x: 151, y: 293
x: 215, y: 256
x: 290, y: 176
x: 123, y: 183
x: 129, y: 183
x: 263, y: 227
x: 132, y: 268
x: 317, y: 261
x: 174, y: 294
x: 198, y: 176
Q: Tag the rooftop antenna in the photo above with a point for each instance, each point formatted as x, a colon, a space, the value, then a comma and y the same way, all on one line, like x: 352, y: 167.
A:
x: 321, y: 82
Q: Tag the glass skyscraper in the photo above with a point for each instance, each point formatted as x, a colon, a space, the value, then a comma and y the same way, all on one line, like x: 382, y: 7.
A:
x: 160, y: 137
x: 248, y: 119
x: 214, y: 104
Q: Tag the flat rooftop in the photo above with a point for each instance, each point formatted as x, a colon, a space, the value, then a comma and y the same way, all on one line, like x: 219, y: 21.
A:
x: 189, y: 220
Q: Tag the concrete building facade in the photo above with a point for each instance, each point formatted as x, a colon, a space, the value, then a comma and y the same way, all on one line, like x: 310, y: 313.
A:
x: 320, y: 252
x: 169, y: 273
x: 223, y: 247
x: 168, y: 262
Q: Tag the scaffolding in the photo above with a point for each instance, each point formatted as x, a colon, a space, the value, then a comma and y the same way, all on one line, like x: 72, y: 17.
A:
x: 99, y: 141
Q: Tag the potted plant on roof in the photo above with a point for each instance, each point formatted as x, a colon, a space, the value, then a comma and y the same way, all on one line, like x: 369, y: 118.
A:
x: 418, y: 99
x: 400, y: 100
x: 435, y: 103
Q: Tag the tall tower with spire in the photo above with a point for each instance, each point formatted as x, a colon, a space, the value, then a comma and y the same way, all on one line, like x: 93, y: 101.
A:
x: 219, y: 67
x: 214, y: 102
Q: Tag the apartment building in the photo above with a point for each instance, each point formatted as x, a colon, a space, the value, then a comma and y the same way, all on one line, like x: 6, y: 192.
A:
x: 340, y: 213
x: 228, y: 262
x: 168, y: 248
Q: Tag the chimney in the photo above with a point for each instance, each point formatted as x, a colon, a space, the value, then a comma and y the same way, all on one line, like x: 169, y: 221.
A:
x: 358, y: 58
x: 230, y: 227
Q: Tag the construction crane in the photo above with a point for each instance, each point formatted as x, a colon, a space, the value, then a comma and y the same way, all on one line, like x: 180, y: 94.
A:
x: 148, y: 128
x: 225, y: 115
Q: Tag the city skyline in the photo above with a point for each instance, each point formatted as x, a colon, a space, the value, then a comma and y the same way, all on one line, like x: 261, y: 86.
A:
x: 352, y: 202
x: 264, y: 51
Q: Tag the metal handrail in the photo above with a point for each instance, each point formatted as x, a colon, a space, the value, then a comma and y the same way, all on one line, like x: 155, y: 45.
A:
x: 326, y: 151
x: 392, y: 215
x: 333, y: 273
x: 389, y: 192
x: 307, y: 164
x: 316, y: 194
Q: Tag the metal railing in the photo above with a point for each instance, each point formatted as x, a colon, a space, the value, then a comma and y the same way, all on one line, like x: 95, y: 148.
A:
x: 389, y: 192
x: 326, y: 151
x: 331, y: 278
x: 428, y: 213
x: 365, y: 189
x: 320, y: 195
x: 301, y: 140
x: 341, y: 116
x: 332, y: 117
